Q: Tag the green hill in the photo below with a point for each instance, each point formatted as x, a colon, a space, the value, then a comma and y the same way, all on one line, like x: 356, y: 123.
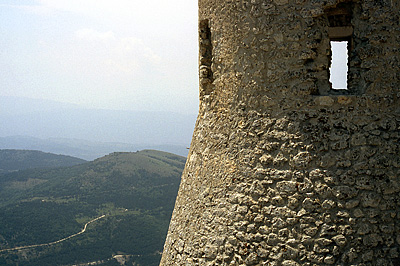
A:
x: 14, y: 160
x: 135, y: 191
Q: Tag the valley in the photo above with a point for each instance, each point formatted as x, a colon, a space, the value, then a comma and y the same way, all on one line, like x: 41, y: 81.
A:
x: 111, y: 210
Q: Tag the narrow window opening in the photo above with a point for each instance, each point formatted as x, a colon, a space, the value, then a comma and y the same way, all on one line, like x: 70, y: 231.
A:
x: 339, y: 65
x: 205, y: 60
x: 340, y: 33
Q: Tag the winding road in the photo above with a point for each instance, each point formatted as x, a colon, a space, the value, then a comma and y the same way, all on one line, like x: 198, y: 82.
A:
x: 58, y: 241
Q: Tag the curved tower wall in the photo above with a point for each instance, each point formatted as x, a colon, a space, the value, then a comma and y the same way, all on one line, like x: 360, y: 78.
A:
x: 283, y: 169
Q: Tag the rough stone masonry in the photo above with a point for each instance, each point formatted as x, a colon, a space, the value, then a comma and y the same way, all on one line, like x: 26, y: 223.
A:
x: 283, y: 169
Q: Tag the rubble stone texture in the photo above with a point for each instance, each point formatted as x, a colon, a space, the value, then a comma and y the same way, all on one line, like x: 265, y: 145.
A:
x: 282, y: 169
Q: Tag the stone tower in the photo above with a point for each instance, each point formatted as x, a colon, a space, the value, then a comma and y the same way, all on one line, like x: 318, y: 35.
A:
x: 283, y: 168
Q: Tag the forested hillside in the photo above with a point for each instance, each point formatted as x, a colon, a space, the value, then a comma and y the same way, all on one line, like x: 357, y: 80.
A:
x: 132, y: 194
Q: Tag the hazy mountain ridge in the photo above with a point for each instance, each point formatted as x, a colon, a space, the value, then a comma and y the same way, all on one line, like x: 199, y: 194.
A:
x: 14, y: 160
x: 88, y: 150
x: 47, y: 119
x: 136, y: 192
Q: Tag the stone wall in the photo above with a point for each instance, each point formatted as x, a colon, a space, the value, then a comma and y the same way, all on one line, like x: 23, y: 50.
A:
x: 282, y: 169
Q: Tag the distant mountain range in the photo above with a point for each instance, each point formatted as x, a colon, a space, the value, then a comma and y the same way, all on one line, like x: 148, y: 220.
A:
x: 84, y: 149
x: 15, y: 160
x: 114, y: 208
x: 65, y: 123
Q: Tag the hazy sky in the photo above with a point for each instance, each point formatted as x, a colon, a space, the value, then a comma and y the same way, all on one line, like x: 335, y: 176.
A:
x: 119, y: 54
x: 339, y: 62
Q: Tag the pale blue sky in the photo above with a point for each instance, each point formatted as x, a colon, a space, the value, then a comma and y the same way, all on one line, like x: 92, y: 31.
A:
x: 120, y: 54
x: 339, y: 63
